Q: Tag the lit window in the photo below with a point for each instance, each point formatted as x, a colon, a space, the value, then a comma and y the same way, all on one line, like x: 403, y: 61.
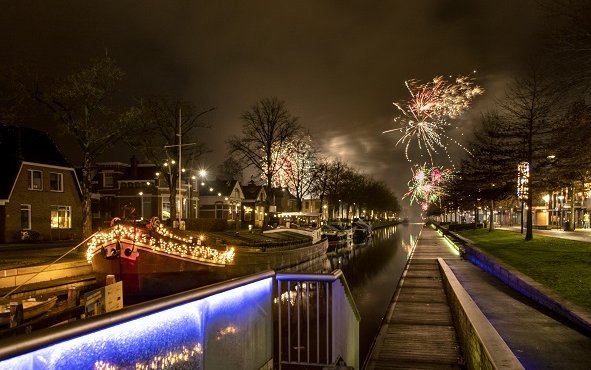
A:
x: 56, y: 181
x: 61, y: 217
x: 165, y: 209
x: 26, y: 216
x: 35, y: 180
x: 107, y: 180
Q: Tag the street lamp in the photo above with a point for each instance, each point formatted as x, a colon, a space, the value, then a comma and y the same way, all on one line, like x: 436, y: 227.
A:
x: 141, y: 194
x: 202, y: 173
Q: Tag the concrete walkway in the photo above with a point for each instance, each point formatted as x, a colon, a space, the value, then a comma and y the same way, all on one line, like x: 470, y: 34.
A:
x: 537, y: 337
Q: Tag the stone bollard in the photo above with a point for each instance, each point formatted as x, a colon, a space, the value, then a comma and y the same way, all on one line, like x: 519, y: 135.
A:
x: 16, y: 314
x: 110, y: 280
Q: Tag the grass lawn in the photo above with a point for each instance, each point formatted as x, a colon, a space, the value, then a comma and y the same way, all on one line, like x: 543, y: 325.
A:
x: 560, y: 264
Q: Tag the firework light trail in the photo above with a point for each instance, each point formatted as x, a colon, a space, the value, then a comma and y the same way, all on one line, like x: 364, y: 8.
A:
x: 426, y: 185
x: 425, y: 116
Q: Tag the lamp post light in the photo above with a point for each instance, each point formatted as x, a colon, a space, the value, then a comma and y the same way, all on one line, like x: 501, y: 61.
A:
x: 141, y: 194
x: 201, y: 176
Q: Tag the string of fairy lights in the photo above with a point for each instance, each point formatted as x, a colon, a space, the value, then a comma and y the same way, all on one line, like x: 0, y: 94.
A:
x: 423, y: 119
x: 165, y: 242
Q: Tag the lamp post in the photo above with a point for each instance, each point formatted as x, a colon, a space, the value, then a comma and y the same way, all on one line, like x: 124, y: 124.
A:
x: 561, y: 199
x: 200, y: 177
x: 141, y: 194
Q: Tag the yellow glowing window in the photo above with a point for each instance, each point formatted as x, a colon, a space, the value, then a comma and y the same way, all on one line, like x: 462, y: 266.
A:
x: 61, y: 217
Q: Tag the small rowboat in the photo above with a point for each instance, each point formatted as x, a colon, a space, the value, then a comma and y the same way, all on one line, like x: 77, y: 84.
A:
x: 31, y: 308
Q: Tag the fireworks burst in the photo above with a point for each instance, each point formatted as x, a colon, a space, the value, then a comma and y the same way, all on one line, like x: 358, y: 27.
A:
x: 425, y: 116
x: 426, y: 185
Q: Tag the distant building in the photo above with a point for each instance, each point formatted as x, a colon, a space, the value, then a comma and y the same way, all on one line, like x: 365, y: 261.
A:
x: 281, y: 200
x: 40, y: 196
x: 253, y: 205
x: 129, y: 191
x: 221, y: 199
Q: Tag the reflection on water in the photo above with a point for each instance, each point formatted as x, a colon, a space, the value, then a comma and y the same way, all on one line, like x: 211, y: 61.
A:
x: 372, y: 271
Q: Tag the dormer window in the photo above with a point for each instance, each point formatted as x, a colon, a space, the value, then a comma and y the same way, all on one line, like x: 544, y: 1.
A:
x: 35, y: 180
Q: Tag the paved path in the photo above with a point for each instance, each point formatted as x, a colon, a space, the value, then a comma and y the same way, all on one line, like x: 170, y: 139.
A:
x: 418, y: 330
x: 580, y: 234
x: 536, y: 336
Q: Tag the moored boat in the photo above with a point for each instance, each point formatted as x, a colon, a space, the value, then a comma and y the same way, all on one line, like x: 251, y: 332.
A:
x: 155, y: 261
x: 31, y: 308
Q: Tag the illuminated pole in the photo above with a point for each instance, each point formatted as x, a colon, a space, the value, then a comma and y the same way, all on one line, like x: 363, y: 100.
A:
x: 202, y: 174
x: 180, y: 213
x: 179, y: 146
x: 141, y: 194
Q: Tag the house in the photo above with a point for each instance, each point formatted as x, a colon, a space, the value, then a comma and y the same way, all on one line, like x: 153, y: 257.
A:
x: 40, y: 196
x: 253, y: 205
x: 126, y: 190
x: 281, y: 200
x: 221, y: 200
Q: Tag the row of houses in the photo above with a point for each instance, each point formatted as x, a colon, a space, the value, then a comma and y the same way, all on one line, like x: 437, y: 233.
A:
x: 40, y: 194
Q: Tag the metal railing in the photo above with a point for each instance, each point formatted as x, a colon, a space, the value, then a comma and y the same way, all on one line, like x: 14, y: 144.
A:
x: 317, y: 320
x: 225, y: 325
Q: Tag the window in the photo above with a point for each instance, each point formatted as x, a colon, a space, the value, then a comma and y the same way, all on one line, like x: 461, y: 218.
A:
x: 26, y: 216
x: 219, y: 210
x: 35, y: 180
x: 61, y: 217
x: 107, y: 180
x: 56, y: 181
x: 165, y: 209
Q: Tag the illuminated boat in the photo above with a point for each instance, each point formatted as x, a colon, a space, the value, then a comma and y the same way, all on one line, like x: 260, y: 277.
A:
x: 31, y: 308
x: 154, y: 261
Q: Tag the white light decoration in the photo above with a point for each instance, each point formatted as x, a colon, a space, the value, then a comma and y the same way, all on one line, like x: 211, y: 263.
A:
x: 523, y: 180
x: 168, y: 242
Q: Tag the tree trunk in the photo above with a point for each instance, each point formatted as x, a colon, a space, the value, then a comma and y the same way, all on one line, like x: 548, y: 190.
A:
x: 529, y: 234
x: 572, y: 208
x: 491, y: 218
x: 86, y: 196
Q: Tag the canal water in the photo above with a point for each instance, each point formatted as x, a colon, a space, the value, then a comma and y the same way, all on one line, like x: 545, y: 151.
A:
x: 372, y: 271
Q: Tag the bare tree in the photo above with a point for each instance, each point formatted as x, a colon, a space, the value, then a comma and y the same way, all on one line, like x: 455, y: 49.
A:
x: 489, y: 171
x: 155, y: 125
x: 530, y: 108
x: 14, y: 98
x: 268, y: 128
x: 571, y: 39
x: 82, y: 103
x: 298, y: 173
x: 231, y: 169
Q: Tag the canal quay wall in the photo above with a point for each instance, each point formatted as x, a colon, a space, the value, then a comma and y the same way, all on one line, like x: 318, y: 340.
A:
x: 45, y: 279
x: 483, y: 347
x: 524, y: 284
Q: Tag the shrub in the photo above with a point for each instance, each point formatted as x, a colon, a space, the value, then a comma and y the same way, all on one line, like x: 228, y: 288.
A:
x: 29, y: 236
x: 206, y: 224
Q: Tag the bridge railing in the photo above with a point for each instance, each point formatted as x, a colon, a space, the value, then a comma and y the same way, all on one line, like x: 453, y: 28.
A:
x: 229, y: 325
x: 317, y: 321
x: 224, y: 326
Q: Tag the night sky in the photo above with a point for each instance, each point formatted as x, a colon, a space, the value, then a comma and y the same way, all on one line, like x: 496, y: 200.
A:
x: 338, y: 65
